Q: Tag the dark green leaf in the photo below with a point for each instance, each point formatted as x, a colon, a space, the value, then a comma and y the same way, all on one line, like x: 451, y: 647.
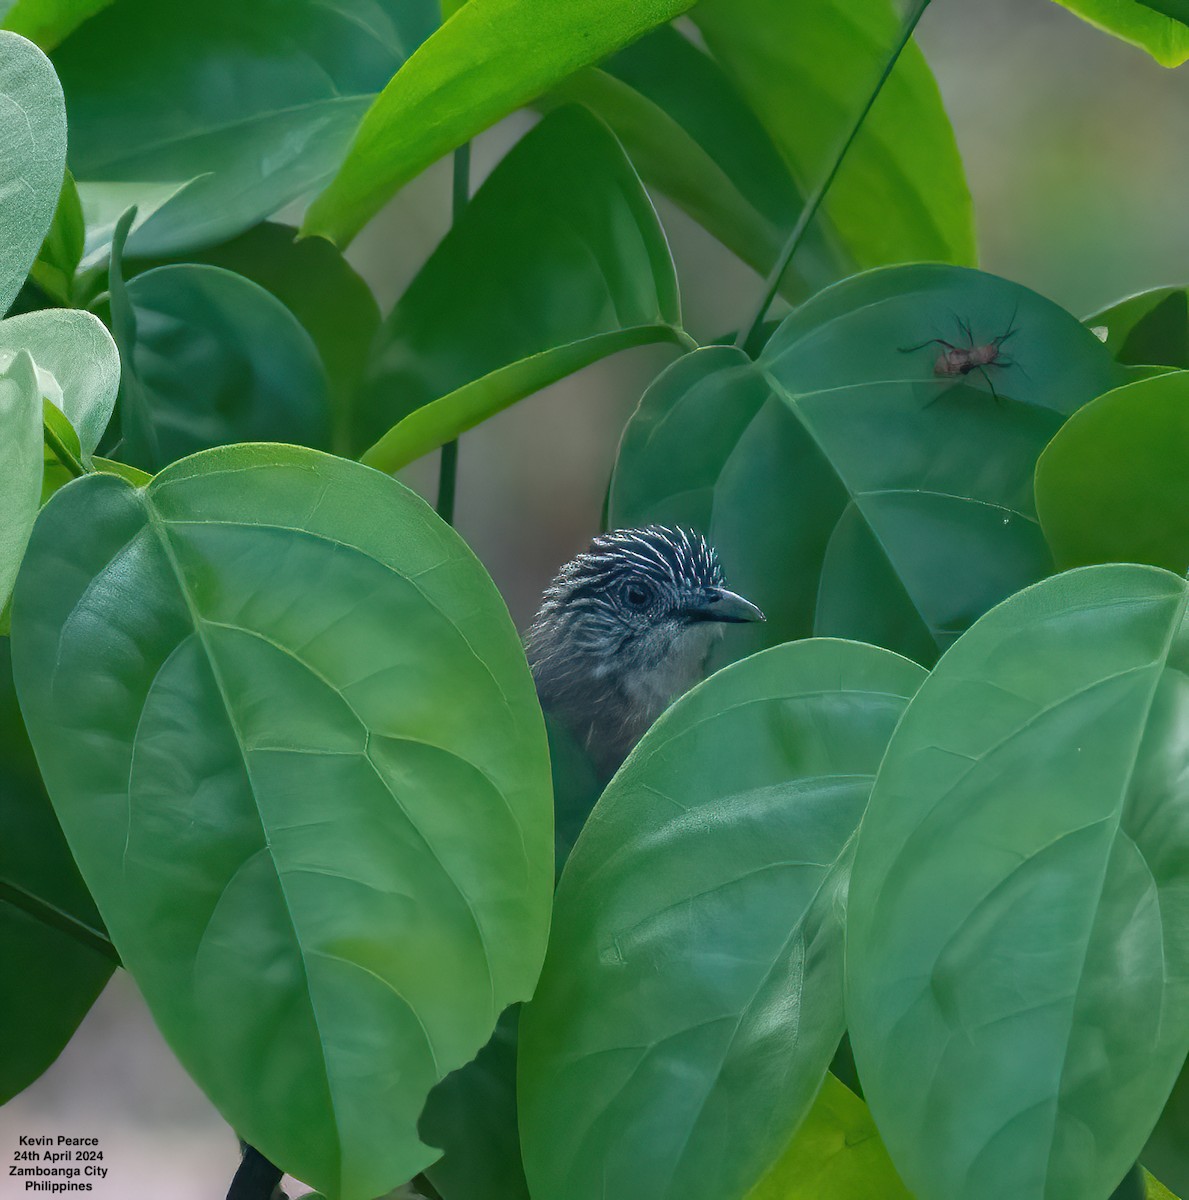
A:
x: 78, y: 366
x: 557, y: 261
x: 32, y: 157
x: 471, y: 1115
x: 490, y: 58
x: 850, y: 489
x: 1177, y: 9
x: 313, y: 280
x: 294, y: 745
x: 1167, y: 1151
x: 20, y: 463
x: 210, y: 358
x: 900, y: 195
x: 1151, y: 328
x: 1142, y: 24
x: 62, y: 250
x: 1019, y: 907
x: 692, y: 136
x: 692, y: 996
x: 836, y: 1154
x: 47, y: 22
x: 1112, y: 486
x: 237, y: 107
x: 56, y: 956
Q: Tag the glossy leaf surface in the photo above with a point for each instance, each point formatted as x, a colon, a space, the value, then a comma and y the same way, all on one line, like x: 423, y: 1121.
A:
x: 836, y: 1154
x: 313, y: 806
x: 20, y: 464
x: 1018, y: 927
x: 1149, y: 26
x: 32, y: 157
x: 692, y: 996
x: 1112, y: 485
x: 850, y: 489
x: 50, y: 934
x: 79, y: 365
x: 212, y: 358
x: 1150, y: 328
x: 294, y: 79
x: 691, y: 135
x: 896, y: 197
x: 574, y: 266
x: 490, y: 58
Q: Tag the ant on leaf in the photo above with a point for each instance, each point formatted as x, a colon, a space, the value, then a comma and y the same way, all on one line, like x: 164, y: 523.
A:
x: 953, y: 361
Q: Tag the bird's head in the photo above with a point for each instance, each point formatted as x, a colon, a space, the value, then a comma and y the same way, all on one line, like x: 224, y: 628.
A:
x: 639, y: 610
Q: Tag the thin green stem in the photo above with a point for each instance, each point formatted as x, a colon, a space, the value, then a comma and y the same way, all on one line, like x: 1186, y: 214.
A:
x: 448, y: 464
x: 63, y: 453
x: 748, y: 338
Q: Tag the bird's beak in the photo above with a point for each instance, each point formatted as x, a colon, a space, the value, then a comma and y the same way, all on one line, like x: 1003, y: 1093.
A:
x: 718, y: 604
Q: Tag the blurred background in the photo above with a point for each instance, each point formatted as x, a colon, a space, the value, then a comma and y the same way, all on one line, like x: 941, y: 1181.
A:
x: 1075, y: 150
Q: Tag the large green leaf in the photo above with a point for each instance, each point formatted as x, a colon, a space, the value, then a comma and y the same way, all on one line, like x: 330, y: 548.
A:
x: 692, y: 996
x: 79, y: 366
x: 1018, y: 928
x: 56, y: 955
x: 293, y: 742
x: 210, y: 358
x: 1167, y: 1151
x: 489, y: 58
x: 243, y: 107
x: 47, y: 22
x: 850, y: 489
x: 836, y: 1154
x: 313, y: 280
x: 692, y: 136
x: 896, y: 197
x: 20, y: 463
x: 1149, y: 328
x: 32, y: 157
x: 1149, y: 26
x: 573, y: 265
x: 1112, y: 486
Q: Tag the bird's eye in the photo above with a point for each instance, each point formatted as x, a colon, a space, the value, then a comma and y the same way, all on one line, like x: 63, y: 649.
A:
x: 636, y: 594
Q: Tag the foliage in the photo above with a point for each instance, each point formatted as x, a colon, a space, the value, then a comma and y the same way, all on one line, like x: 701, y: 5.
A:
x: 284, y: 762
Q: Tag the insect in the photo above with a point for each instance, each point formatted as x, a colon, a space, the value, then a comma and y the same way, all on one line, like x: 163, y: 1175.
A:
x: 955, y: 361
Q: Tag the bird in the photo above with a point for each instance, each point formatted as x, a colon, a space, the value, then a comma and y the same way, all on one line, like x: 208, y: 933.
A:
x: 624, y: 629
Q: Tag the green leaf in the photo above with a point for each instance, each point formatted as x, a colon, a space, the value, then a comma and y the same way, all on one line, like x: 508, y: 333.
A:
x: 1150, y: 328
x: 852, y: 491
x: 471, y: 1115
x: 20, y: 463
x: 32, y: 157
x: 313, y: 280
x: 490, y: 58
x: 692, y: 136
x: 1019, y: 907
x: 1141, y: 24
x: 309, y: 791
x: 62, y: 250
x: 78, y: 366
x: 1177, y: 9
x: 574, y: 267
x: 294, y: 77
x: 210, y: 358
x: 1167, y: 1151
x: 1112, y: 485
x: 56, y: 955
x: 836, y: 1154
x: 691, y: 999
x: 897, y: 197
x: 47, y: 22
